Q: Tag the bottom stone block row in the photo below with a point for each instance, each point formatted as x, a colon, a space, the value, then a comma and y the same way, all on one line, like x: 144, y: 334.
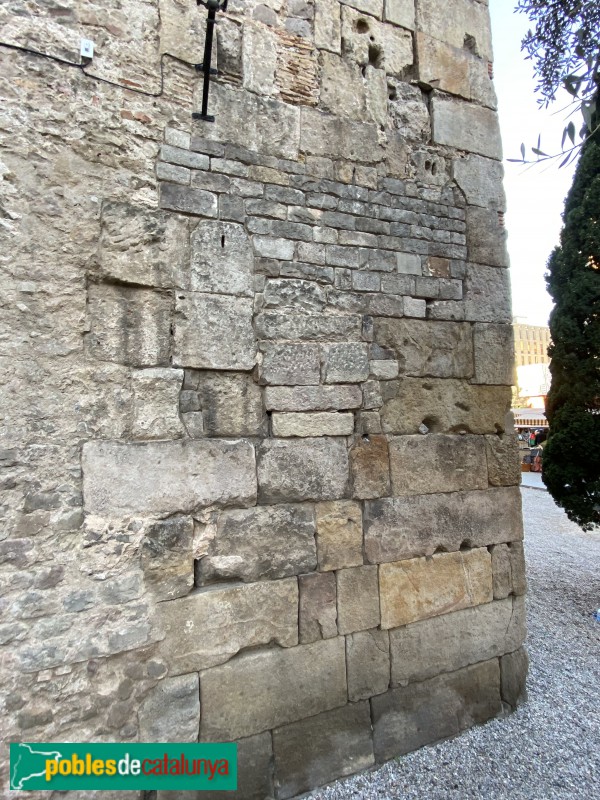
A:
x: 303, y: 755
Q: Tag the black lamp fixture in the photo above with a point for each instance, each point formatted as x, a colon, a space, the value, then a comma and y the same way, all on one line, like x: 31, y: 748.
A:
x: 213, y: 6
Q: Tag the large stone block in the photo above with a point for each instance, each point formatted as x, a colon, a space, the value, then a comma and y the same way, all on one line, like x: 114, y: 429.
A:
x: 368, y: 662
x: 501, y: 570
x: 211, y: 625
x: 290, y: 364
x: 260, y: 690
x: 346, y: 363
x: 494, y: 354
x: 320, y: 423
x: 318, y: 750
x: 517, y: 568
x: 156, y: 403
x: 466, y: 126
x: 188, y: 200
x: 513, y: 671
x: 480, y: 180
x: 168, y: 557
x: 407, y: 718
x: 368, y: 41
x: 358, y: 599
x: 370, y: 467
x: 231, y: 404
x: 486, y: 237
x: 213, y: 332
x: 444, y: 406
x: 339, y: 535
x: 328, y: 26
x: 404, y: 527
x: 503, y: 460
x: 469, y: 21
x: 257, y: 543
x: 427, y: 348
x: 313, y: 398
x: 400, y: 12
x: 437, y: 463
x: 306, y: 469
x: 427, y: 587
x: 129, y: 326
x: 487, y: 294
x: 318, y: 607
x: 452, y: 641
x: 171, y: 712
x: 222, y: 259
x: 343, y: 90
x: 121, y: 478
x: 326, y: 135
x: 308, y: 327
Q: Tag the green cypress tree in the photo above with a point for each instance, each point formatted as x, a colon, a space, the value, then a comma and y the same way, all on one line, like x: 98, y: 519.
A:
x: 572, y: 453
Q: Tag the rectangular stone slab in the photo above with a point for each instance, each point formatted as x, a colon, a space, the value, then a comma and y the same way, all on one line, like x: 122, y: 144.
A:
x: 405, y: 527
x: 121, y: 478
x: 211, y: 625
x: 263, y: 689
x: 427, y: 587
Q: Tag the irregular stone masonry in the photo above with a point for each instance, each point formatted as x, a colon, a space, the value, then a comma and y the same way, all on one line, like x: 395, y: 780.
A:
x: 262, y: 486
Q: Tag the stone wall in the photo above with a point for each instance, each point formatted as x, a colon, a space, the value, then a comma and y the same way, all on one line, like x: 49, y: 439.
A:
x: 258, y: 480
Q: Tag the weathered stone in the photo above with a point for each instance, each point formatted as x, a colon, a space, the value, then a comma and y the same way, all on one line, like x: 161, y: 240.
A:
x: 129, y: 326
x: 372, y: 7
x: 346, y: 363
x: 384, y: 370
x: 122, y: 478
x: 222, y: 259
x: 501, y: 570
x: 503, y: 460
x: 370, y: 467
x: 171, y: 712
x: 368, y: 662
x: 487, y: 294
x: 455, y: 70
x: 513, y: 671
x: 369, y: 41
x: 232, y: 405
x: 404, y: 527
x: 405, y: 719
x: 188, y: 200
x: 445, y: 406
x: 409, y: 263
x: 427, y: 587
x: 313, y: 398
x: 415, y: 308
x: 254, y: 693
x: 258, y: 543
x: 400, y: 12
x: 259, y: 58
x: 480, y: 180
x: 326, y: 135
x: 358, y: 599
x: 211, y: 625
x: 320, y: 749
x: 155, y: 403
x: 452, y: 641
x: 213, y: 332
x: 294, y: 294
x: 339, y: 535
x: 318, y: 607
x: 466, y: 126
x: 343, y: 88
x: 291, y: 364
x: 306, y: 469
x: 470, y: 19
x: 517, y: 568
x: 437, y: 463
x: 320, y: 423
x: 494, y: 354
x: 304, y: 327
x: 486, y: 237
x: 328, y: 26
x: 168, y: 557
x: 436, y: 349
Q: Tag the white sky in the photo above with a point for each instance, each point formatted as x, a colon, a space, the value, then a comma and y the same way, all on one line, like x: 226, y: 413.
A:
x: 536, y: 194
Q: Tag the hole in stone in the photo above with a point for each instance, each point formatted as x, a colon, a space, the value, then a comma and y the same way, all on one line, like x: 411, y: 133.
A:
x: 366, y: 437
x: 466, y: 544
x: 362, y: 26
x: 470, y: 44
x: 223, y: 240
x: 434, y: 168
x: 372, y: 38
x: 363, y: 70
x: 375, y: 56
x: 440, y: 549
x: 428, y: 165
x: 432, y: 424
x: 392, y: 93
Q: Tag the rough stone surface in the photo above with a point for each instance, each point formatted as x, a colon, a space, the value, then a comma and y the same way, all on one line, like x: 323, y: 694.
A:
x: 318, y: 750
x: 258, y: 543
x: 167, y: 557
x: 368, y: 660
x: 254, y: 692
x: 321, y: 423
x: 513, y: 671
x: 222, y: 259
x: 317, y: 398
x: 339, y: 535
x: 122, y: 478
x: 370, y: 467
x: 501, y: 570
x: 405, y: 719
x: 404, y: 527
x: 222, y: 620
x: 358, y: 601
x: 494, y: 354
x: 155, y: 403
x: 487, y: 294
x: 318, y: 607
x: 171, y: 713
x: 452, y: 641
x: 503, y: 460
x: 466, y: 126
x: 310, y: 469
x: 437, y: 463
x: 231, y: 404
x: 427, y: 587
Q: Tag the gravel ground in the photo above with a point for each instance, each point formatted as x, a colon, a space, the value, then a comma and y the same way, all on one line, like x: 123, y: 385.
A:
x: 549, y: 749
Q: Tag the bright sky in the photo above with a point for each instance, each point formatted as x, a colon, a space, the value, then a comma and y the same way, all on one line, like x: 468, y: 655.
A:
x: 536, y: 194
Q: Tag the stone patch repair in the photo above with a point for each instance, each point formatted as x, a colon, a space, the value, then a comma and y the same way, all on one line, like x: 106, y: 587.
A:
x: 263, y: 486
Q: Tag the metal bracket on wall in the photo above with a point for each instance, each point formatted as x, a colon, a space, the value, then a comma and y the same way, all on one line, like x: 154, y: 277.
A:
x: 213, y: 6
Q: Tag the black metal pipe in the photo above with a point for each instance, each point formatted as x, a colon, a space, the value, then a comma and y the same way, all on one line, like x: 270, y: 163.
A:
x: 212, y: 6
